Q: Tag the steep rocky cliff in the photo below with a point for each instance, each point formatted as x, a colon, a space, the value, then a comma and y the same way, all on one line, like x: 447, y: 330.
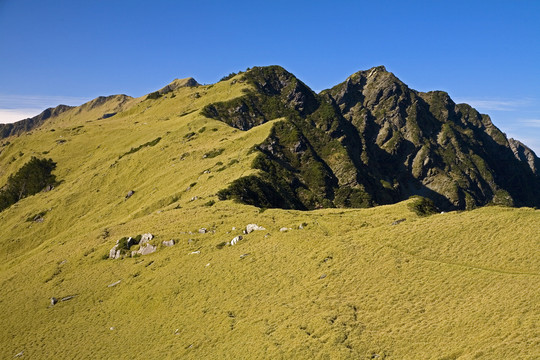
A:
x: 372, y: 140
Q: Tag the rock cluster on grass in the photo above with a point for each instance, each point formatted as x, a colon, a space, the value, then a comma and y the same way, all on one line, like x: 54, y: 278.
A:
x: 121, y: 249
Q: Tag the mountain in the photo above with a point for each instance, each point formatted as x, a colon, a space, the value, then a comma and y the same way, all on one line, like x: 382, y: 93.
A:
x: 372, y: 140
x: 145, y: 241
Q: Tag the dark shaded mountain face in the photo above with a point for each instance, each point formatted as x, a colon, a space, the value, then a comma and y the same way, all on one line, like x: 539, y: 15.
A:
x: 369, y: 141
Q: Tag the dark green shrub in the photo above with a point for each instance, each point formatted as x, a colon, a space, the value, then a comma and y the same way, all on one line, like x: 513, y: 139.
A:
x: 422, y: 206
x: 213, y: 153
x: 148, y: 144
x: 30, y: 179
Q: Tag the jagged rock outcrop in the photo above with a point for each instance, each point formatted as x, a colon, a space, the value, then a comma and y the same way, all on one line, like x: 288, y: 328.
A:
x: 525, y: 154
x: 372, y: 140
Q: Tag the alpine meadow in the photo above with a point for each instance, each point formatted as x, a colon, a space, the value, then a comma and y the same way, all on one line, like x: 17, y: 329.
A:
x: 255, y: 218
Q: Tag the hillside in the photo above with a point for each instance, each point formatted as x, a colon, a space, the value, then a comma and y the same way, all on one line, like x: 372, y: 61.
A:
x: 392, y: 281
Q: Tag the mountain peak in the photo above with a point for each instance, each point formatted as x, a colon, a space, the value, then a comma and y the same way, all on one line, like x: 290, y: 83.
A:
x: 178, y: 83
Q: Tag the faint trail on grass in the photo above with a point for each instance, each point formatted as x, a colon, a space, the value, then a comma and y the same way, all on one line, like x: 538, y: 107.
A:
x: 507, y: 272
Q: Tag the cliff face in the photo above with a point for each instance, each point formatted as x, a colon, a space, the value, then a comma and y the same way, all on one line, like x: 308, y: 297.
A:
x: 372, y: 140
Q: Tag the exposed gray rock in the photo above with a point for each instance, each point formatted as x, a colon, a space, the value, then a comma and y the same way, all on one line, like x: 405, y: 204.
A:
x: 398, y: 221
x: 168, y: 243
x: 48, y: 188
x: 68, y: 298
x: 147, y: 249
x: 53, y: 301
x: 130, y: 194
x: 253, y: 227
x: 525, y: 154
x: 236, y: 239
x: 114, y: 253
x: 284, y: 229
x: 146, y: 238
x: 114, y: 283
x: 202, y: 231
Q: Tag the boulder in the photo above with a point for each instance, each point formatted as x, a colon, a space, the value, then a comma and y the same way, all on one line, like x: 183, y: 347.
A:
x: 145, y: 238
x: 284, y: 229
x: 236, y: 239
x: 48, y: 188
x: 168, y: 243
x: 113, y: 252
x: 202, y: 231
x: 130, y: 194
x: 147, y: 249
x: 253, y: 227
x: 53, y: 301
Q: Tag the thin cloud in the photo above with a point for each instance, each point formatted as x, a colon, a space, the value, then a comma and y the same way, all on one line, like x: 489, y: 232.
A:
x: 12, y: 115
x: 20, y: 102
x: 495, y: 104
x: 531, y: 122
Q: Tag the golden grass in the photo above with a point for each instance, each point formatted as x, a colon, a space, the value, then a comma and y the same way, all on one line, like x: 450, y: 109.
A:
x: 348, y: 286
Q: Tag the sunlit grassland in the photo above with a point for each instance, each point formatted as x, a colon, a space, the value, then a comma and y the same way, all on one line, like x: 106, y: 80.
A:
x: 348, y: 285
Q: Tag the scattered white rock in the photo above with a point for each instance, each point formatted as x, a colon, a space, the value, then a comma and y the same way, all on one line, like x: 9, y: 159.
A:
x: 236, y: 239
x: 195, y: 252
x: 284, y: 229
x: 53, y: 301
x: 19, y: 354
x: 114, y: 283
x: 233, y: 228
x: 111, y: 328
x: 207, y: 265
x: 202, y: 231
x: 168, y: 243
x: 253, y: 227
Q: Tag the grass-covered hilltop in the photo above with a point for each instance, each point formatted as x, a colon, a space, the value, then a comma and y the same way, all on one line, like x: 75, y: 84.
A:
x: 254, y: 218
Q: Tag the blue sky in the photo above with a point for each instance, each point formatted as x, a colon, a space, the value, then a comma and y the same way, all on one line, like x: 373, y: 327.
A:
x: 483, y: 53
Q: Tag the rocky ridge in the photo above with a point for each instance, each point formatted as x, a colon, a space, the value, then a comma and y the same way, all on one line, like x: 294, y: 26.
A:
x: 372, y: 140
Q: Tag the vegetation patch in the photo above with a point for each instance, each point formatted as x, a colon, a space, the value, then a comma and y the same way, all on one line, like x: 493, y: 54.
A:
x: 213, y: 153
x: 148, y: 144
x: 422, y: 206
x: 30, y: 179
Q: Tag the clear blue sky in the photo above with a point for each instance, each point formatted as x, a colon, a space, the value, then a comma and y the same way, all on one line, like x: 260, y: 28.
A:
x: 486, y: 53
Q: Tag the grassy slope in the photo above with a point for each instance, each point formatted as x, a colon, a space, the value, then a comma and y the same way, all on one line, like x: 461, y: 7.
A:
x: 456, y: 285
